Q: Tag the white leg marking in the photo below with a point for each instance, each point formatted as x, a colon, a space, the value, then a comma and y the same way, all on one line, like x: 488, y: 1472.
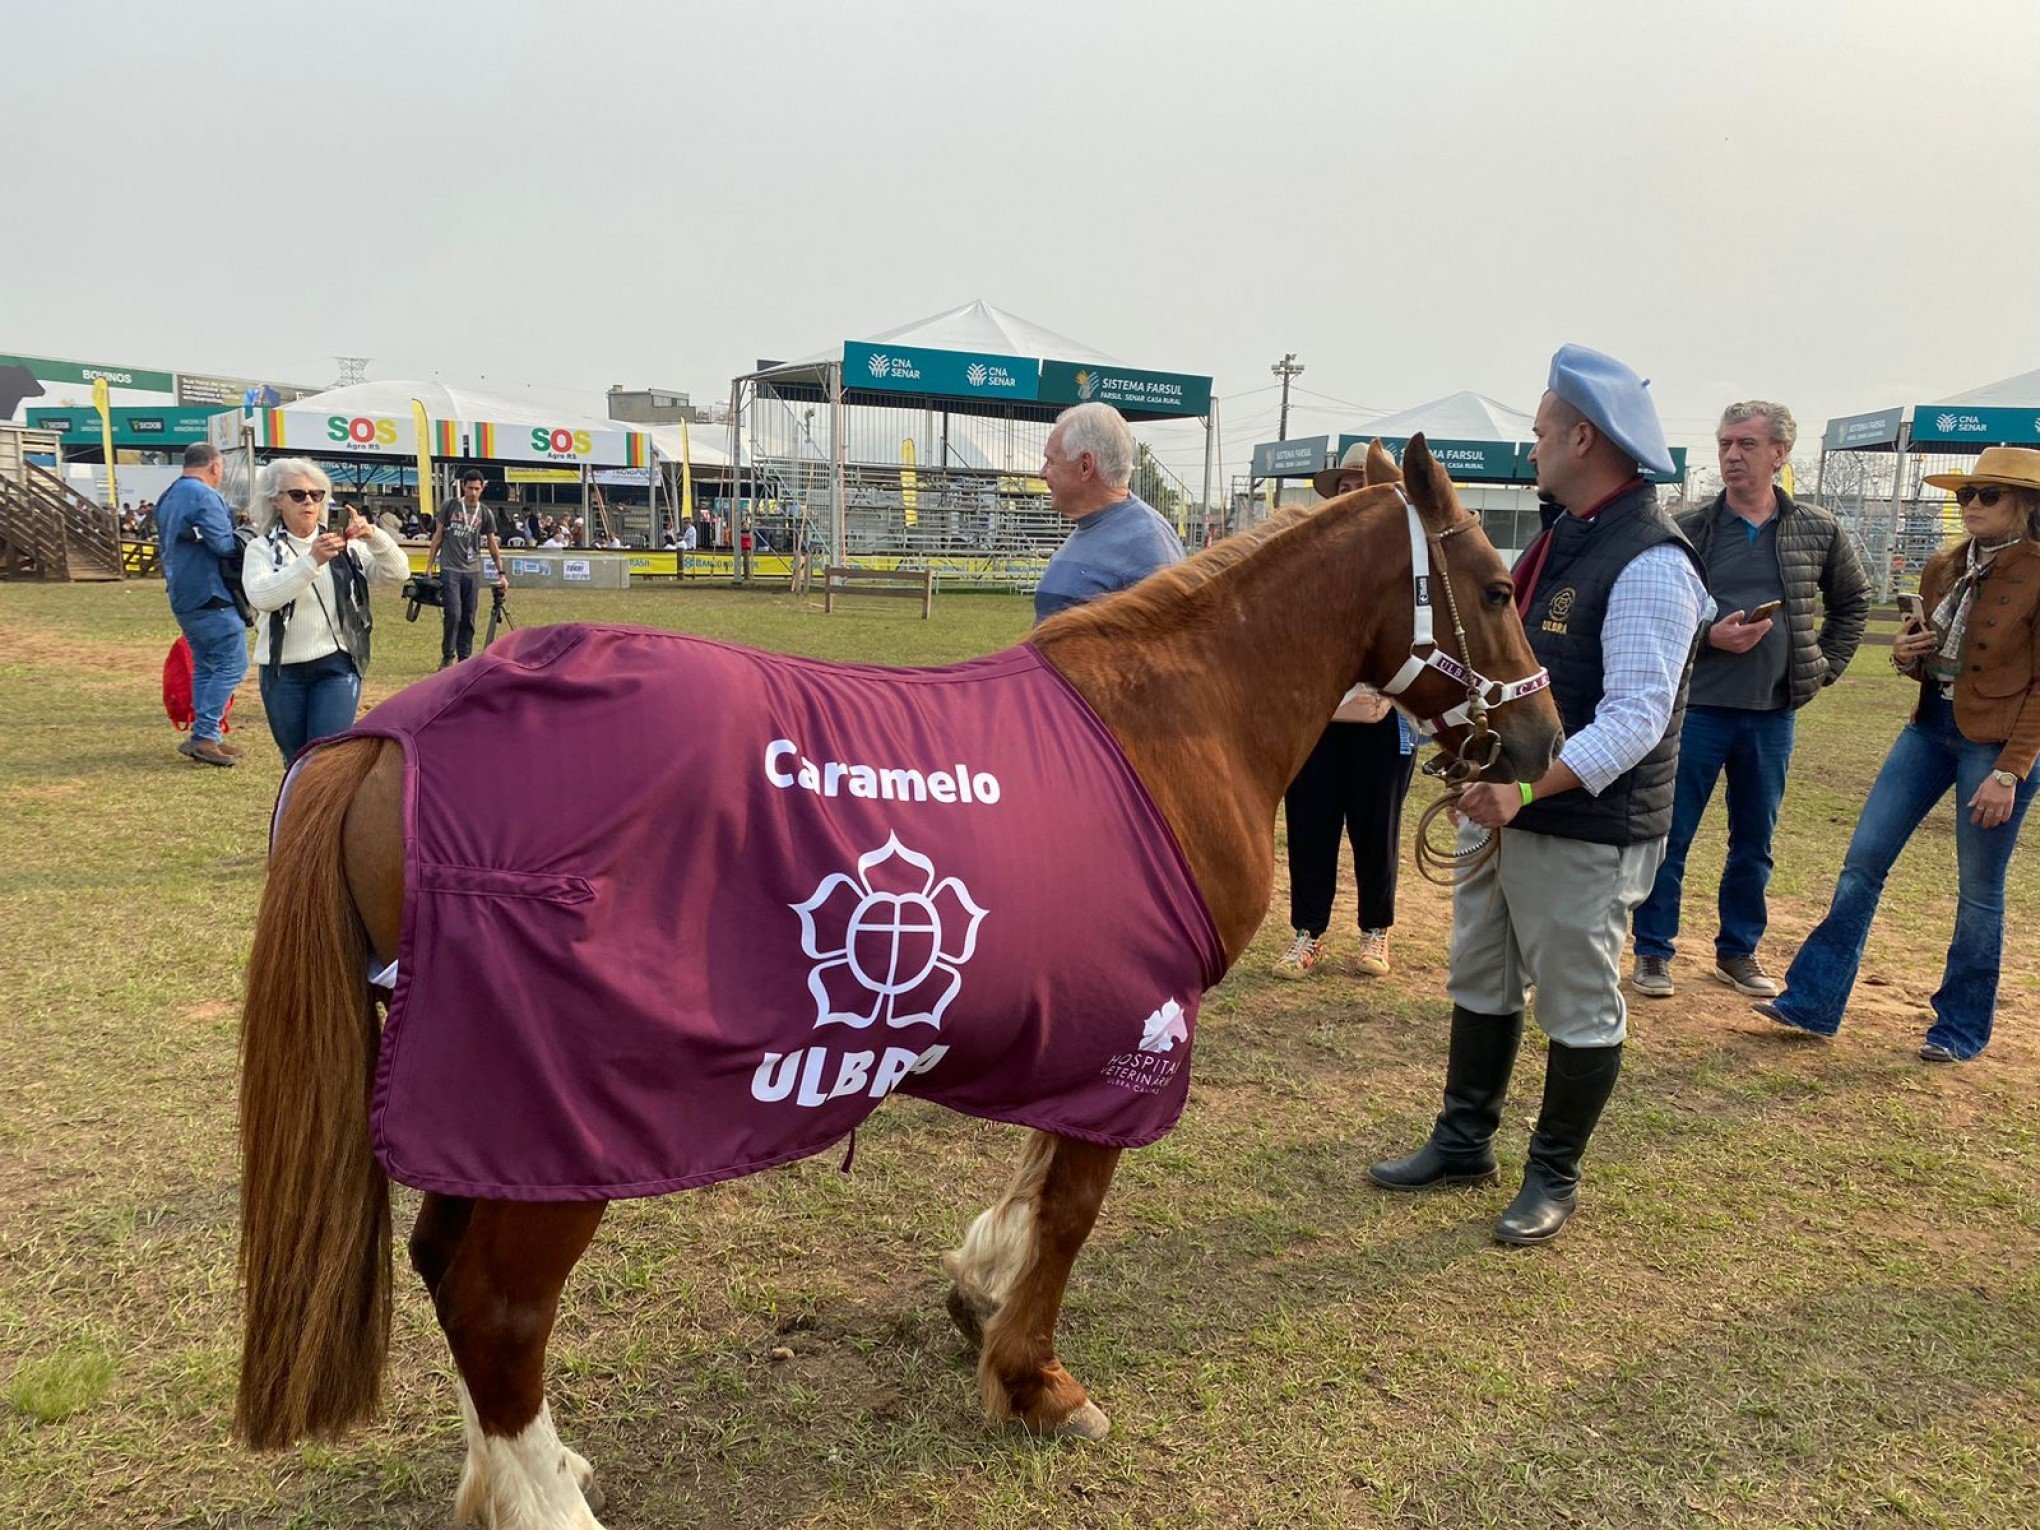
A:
x: 1000, y: 1244
x: 534, y: 1482
x: 471, y: 1503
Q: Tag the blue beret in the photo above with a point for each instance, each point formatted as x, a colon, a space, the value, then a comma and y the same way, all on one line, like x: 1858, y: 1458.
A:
x: 1615, y: 399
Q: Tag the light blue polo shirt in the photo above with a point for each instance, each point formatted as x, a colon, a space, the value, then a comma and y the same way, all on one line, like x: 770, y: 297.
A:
x: 1108, y: 550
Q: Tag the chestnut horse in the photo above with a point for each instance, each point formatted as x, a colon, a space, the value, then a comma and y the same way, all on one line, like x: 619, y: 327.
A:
x: 1216, y: 677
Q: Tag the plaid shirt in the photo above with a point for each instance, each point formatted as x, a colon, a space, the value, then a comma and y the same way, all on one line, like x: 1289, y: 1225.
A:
x: 1654, y: 609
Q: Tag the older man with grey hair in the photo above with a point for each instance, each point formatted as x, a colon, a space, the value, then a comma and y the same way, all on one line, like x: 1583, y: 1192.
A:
x: 1119, y: 539
x: 1796, y: 599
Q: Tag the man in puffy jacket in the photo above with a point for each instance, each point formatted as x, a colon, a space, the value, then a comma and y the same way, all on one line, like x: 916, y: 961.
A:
x: 1768, y: 556
x: 196, y: 541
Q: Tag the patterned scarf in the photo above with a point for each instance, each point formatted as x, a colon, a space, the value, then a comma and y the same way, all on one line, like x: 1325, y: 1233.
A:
x: 1951, y: 616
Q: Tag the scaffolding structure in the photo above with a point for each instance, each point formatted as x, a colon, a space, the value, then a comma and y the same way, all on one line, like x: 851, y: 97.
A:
x: 923, y: 446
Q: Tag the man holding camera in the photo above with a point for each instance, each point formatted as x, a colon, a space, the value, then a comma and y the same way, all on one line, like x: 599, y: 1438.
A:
x: 1767, y: 556
x: 463, y: 531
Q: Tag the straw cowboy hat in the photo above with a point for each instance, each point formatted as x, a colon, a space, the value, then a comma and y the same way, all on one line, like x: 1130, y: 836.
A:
x: 2016, y: 467
x: 1354, y: 461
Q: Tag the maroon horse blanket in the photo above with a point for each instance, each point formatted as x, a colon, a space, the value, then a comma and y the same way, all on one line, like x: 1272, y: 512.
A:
x: 676, y: 911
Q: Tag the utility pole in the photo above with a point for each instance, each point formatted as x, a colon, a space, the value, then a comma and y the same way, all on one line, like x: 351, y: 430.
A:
x: 1285, y: 369
x: 353, y: 369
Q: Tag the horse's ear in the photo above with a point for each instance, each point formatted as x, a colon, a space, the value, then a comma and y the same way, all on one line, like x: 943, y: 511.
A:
x: 1381, y: 467
x: 1428, y: 487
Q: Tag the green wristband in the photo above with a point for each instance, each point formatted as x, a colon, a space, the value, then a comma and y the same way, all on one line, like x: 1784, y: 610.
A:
x: 1528, y: 796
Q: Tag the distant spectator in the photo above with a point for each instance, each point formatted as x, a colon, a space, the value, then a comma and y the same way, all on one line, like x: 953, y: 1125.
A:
x: 196, y: 540
x: 457, y: 547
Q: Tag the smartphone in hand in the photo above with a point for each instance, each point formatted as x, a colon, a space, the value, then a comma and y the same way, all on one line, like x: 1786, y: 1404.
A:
x: 1912, y: 611
x: 1768, y: 609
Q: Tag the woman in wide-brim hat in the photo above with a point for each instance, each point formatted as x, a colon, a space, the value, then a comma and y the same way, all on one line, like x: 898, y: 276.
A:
x: 1976, y: 728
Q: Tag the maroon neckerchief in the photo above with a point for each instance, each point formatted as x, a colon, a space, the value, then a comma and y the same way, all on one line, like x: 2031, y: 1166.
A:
x: 1531, y: 566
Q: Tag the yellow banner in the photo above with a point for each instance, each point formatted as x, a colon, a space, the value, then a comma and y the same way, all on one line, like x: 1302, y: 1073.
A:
x: 686, y: 475
x: 541, y: 475
x: 423, y: 423
x: 910, y: 483
x: 99, y: 402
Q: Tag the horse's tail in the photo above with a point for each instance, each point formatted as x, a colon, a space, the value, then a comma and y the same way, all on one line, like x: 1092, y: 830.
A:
x: 315, y: 1206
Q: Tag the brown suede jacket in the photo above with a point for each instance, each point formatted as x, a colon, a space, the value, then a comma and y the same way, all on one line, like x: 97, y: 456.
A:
x: 1997, y: 695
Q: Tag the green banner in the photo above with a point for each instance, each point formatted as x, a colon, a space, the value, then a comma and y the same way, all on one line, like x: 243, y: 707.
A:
x: 950, y: 374
x: 1070, y: 382
x: 138, y: 429
x: 1954, y: 425
x: 1463, y: 461
x: 48, y: 369
x: 1857, y: 432
x: 1301, y: 458
x: 1526, y: 470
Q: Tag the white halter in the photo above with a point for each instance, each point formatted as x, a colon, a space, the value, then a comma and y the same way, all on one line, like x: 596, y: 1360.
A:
x: 1482, y: 694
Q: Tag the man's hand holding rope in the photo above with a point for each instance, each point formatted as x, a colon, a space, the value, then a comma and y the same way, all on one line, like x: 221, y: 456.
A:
x: 1494, y: 805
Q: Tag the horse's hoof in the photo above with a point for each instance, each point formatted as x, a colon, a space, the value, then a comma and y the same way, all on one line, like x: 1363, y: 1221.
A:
x: 1087, y: 1423
x: 597, y: 1499
x: 965, y: 1317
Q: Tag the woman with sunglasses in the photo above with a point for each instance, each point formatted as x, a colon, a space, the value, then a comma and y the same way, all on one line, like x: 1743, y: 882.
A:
x: 1975, y: 650
x: 312, y: 586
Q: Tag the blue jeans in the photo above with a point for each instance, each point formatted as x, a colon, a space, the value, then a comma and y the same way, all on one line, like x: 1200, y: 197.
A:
x: 315, y: 699
x: 1755, y: 748
x: 1928, y: 758
x: 219, y: 662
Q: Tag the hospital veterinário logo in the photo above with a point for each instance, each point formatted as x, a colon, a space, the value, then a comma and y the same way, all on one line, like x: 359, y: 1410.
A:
x: 889, y: 944
x: 1154, y: 1063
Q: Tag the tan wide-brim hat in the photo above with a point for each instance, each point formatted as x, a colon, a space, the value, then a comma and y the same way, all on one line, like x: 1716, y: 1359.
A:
x: 2015, y: 467
x: 1355, y: 461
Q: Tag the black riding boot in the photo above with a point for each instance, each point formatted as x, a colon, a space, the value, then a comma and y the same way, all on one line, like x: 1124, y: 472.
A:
x: 1461, y: 1146
x: 1577, y: 1083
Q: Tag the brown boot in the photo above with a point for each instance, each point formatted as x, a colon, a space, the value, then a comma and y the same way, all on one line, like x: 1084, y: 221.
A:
x: 205, y: 751
x: 233, y: 750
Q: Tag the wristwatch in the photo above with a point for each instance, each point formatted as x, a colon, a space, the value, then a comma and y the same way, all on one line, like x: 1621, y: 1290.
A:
x: 2004, y: 778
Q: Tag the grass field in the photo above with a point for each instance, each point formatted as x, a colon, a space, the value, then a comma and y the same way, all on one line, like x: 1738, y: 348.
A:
x: 1803, y: 1289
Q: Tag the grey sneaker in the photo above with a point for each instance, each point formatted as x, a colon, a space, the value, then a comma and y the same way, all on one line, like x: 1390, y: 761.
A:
x: 1745, y: 974
x: 1653, y: 977
x: 1934, y: 1052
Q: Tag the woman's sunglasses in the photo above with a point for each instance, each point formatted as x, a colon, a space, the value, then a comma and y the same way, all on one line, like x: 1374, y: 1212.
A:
x: 1989, y: 497
x: 313, y: 496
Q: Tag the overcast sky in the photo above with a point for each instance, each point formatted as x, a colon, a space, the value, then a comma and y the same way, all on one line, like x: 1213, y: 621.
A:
x: 1827, y: 203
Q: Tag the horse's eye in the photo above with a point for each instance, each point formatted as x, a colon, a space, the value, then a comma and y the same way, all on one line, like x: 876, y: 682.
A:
x: 1497, y: 596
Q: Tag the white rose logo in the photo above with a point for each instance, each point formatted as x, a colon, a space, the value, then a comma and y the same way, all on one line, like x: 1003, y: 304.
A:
x: 889, y: 943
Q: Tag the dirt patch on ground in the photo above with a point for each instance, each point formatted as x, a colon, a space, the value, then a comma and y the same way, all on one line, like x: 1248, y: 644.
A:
x: 39, y: 648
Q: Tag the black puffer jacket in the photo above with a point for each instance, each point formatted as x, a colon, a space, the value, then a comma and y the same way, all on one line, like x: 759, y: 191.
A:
x: 1814, y: 555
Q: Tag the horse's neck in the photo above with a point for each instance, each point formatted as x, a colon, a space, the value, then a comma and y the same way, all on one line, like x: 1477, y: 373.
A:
x: 1218, y: 693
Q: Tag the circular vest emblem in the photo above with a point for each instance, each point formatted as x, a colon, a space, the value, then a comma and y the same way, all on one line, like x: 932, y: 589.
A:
x: 1562, y: 603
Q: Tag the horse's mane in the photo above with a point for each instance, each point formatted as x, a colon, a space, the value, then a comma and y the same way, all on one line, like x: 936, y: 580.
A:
x: 1160, y: 602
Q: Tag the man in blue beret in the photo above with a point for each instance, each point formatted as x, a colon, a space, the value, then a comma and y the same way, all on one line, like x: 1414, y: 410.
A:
x: 1612, y: 597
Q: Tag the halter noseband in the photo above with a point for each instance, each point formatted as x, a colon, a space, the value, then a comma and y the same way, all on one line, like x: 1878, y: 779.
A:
x: 1482, y: 746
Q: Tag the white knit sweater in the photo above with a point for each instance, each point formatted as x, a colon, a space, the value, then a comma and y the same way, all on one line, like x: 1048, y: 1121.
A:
x: 309, y: 634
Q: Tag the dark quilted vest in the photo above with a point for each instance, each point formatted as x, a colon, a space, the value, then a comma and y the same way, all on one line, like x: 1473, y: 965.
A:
x: 1564, y: 626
